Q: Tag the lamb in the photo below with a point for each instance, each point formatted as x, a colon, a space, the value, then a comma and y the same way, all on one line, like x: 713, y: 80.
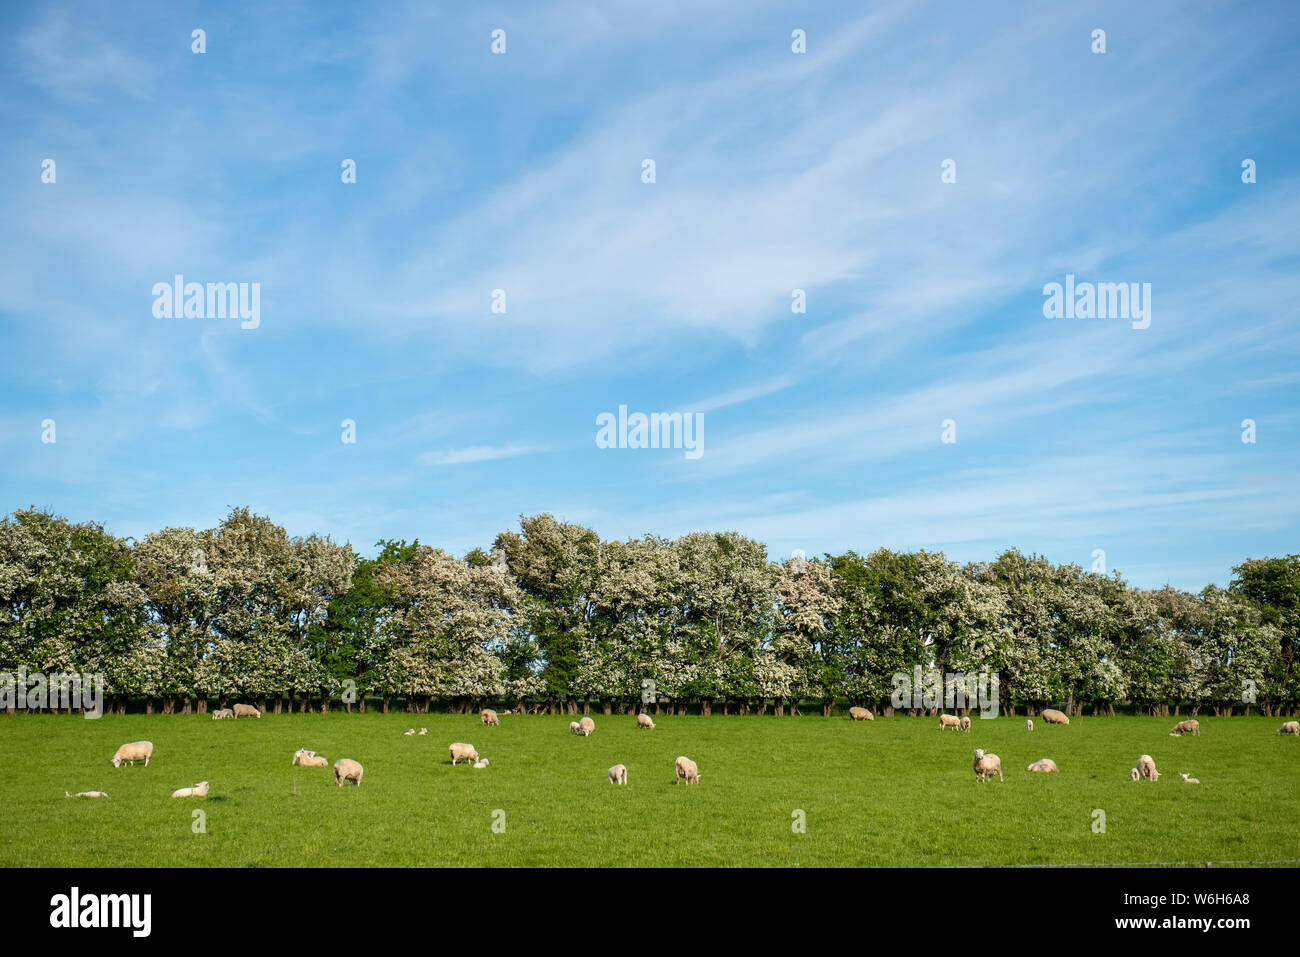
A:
x: 686, y: 769
x: 986, y: 765
x: 310, y: 759
x: 408, y: 731
x: 1147, y: 768
x: 345, y: 769
x: 87, y: 794
x: 618, y: 774
x: 1191, y: 726
x: 1052, y: 716
x: 197, y: 791
x: 1029, y: 724
x: 643, y: 721
x: 575, y: 727
x: 300, y: 754
x: 424, y: 731
x: 965, y: 722
x: 462, y: 752
x: 1045, y: 764
x: 222, y: 713
x: 1187, y: 780
x: 246, y: 711
x: 133, y: 752
x: 861, y: 714
x: 586, y: 725
x: 490, y: 717
x: 481, y: 763
x: 1291, y: 727
x: 1133, y: 774
x: 949, y: 721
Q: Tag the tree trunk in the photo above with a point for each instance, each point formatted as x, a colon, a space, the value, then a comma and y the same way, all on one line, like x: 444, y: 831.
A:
x: 386, y: 700
x: 203, y: 705
x: 826, y: 708
x: 186, y: 709
x: 607, y: 706
x: 706, y: 707
x: 148, y: 705
x: 726, y: 707
x: 324, y: 704
x: 586, y: 706
x: 778, y: 709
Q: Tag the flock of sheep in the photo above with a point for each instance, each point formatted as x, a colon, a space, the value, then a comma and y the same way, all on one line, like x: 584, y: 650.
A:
x: 985, y: 764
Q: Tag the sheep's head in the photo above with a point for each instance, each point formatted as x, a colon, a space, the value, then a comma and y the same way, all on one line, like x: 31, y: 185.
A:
x: 117, y: 762
x: 979, y: 753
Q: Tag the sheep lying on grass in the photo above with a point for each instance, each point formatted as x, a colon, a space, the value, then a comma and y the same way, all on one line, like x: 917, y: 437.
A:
x: 246, y: 711
x: 986, y: 765
x: 408, y: 731
x: 197, y: 791
x: 861, y: 714
x: 133, y: 752
x: 1187, y: 780
x: 949, y: 721
x: 1052, y: 716
x: 1029, y: 724
x: 481, y: 763
x: 222, y: 713
x: 586, y: 726
x: 643, y: 721
x: 345, y: 769
x: 1045, y: 764
x: 1191, y: 726
x: 1291, y: 727
x: 87, y: 794
x: 618, y: 774
x: 310, y: 759
x: 686, y: 769
x: 489, y: 716
x: 460, y: 751
x: 424, y: 731
x: 1147, y: 768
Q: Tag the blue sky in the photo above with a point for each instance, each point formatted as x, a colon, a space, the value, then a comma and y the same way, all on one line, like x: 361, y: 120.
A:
x: 774, y: 171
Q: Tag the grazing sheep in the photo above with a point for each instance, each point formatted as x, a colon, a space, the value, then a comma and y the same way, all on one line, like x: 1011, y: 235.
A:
x: 489, y: 716
x: 986, y: 765
x: 586, y: 725
x: 861, y: 714
x: 1045, y: 764
x: 133, y: 752
x: 246, y: 711
x: 481, y: 763
x: 685, y: 768
x: 949, y: 721
x: 408, y: 731
x: 1052, y: 716
x: 222, y: 713
x: 1133, y: 774
x: 424, y: 730
x: 197, y: 791
x: 618, y: 774
x: 1190, y: 726
x: 90, y: 794
x: 643, y: 721
x: 462, y: 752
x: 575, y: 727
x: 1147, y: 768
x: 1029, y: 724
x: 345, y: 769
x: 1291, y: 727
x: 1187, y: 780
x: 965, y: 722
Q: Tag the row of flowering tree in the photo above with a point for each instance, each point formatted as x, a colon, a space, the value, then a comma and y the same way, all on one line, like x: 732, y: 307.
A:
x: 552, y: 616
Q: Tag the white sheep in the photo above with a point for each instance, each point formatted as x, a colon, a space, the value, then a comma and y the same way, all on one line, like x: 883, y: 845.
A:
x: 1187, y: 780
x: 489, y: 716
x: 586, y: 725
x: 965, y: 722
x: 686, y: 769
x: 222, y: 713
x: 460, y: 751
x: 949, y: 721
x: 1147, y: 768
x: 1029, y: 724
x: 481, y: 763
x: 345, y: 769
x: 1133, y: 774
x: 575, y: 727
x: 986, y: 765
x: 310, y: 759
x: 643, y: 721
x: 424, y: 731
x: 1046, y: 765
x: 618, y: 774
x: 246, y: 711
x: 1291, y: 727
x: 197, y: 791
x: 1190, y: 726
x: 1052, y: 716
x: 133, y: 752
x: 87, y: 794
x: 409, y: 731
x: 861, y: 714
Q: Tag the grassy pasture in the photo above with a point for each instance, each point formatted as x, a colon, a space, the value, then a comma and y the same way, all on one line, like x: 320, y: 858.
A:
x: 896, y: 791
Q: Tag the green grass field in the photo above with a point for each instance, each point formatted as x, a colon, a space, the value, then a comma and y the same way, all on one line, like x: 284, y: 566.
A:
x: 891, y: 792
